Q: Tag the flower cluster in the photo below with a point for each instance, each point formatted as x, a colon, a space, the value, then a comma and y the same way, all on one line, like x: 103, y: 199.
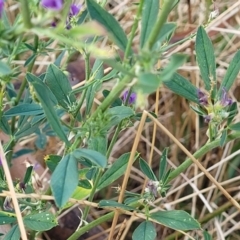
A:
x: 151, y: 191
x: 54, y: 5
x: 218, y: 111
x: 57, y: 5
x: 132, y: 98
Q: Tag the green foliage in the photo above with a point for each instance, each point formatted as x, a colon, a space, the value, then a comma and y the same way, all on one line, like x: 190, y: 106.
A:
x: 231, y: 73
x: 148, y: 83
x: 114, y: 204
x: 59, y: 84
x: 64, y: 179
x: 40, y: 222
x: 182, y: 87
x: 176, y: 219
x: 6, y: 218
x: 149, y: 17
x: 145, y: 231
x: 13, y: 234
x: 115, y: 171
x: 94, y: 156
x: 47, y: 105
x: 163, y: 164
x: 24, y: 109
x: 147, y: 170
x: 46, y: 98
x: 109, y: 22
x: 205, y: 58
x: 175, y: 62
x: 52, y: 161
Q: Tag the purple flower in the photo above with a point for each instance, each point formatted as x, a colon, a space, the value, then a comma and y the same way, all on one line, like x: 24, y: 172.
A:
x: 131, y: 99
x: 207, y: 118
x: 225, y: 100
x: 1, y: 7
x: 55, y: 5
x: 202, y: 98
x: 152, y: 187
x: 74, y: 10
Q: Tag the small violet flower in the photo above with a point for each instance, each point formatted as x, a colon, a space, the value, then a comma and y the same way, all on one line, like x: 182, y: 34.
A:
x: 152, y: 188
x: 202, y: 98
x: 207, y: 118
x: 54, y: 5
x: 74, y: 10
x: 1, y: 7
x: 131, y: 99
x: 225, y: 100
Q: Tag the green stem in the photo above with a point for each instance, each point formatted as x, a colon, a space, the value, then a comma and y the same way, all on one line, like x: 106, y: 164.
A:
x: 114, y: 139
x: 86, y: 210
x: 91, y: 225
x: 18, y: 98
x: 198, y: 154
x: 87, y: 76
x: 26, y: 14
x: 112, y: 96
x: 166, y: 9
x: 134, y: 28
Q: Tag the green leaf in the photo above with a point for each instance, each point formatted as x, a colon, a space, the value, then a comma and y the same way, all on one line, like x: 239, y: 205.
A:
x: 44, y: 95
x: 165, y: 34
x: 4, y: 69
x: 205, y: 57
x: 97, y: 69
x: 110, y: 75
x: 4, y: 126
x: 117, y: 114
x: 94, y: 156
x: 175, y: 62
x: 199, y: 110
x: 41, y: 141
x: 149, y: 18
x: 40, y: 222
x: 64, y: 180
x: 24, y: 109
x: 52, y: 161
x: 25, y: 130
x: 30, y: 60
x: 98, y: 144
x: 84, y: 183
x: 163, y: 164
x: 6, y: 218
x: 60, y: 86
x: 13, y: 234
x: 115, y: 171
x: 28, y: 175
x: 111, y: 203
x: 99, y: 14
x: 182, y: 87
x: 233, y: 111
x: 147, y: 170
x: 206, y: 235
x: 116, y: 103
x: 90, y: 94
x: 145, y: 231
x: 147, y: 83
x: 176, y: 219
x: 231, y: 73
x: 223, y: 138
x: 235, y: 126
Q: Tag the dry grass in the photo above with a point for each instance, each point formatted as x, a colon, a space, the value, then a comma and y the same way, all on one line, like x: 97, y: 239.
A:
x: 193, y: 191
